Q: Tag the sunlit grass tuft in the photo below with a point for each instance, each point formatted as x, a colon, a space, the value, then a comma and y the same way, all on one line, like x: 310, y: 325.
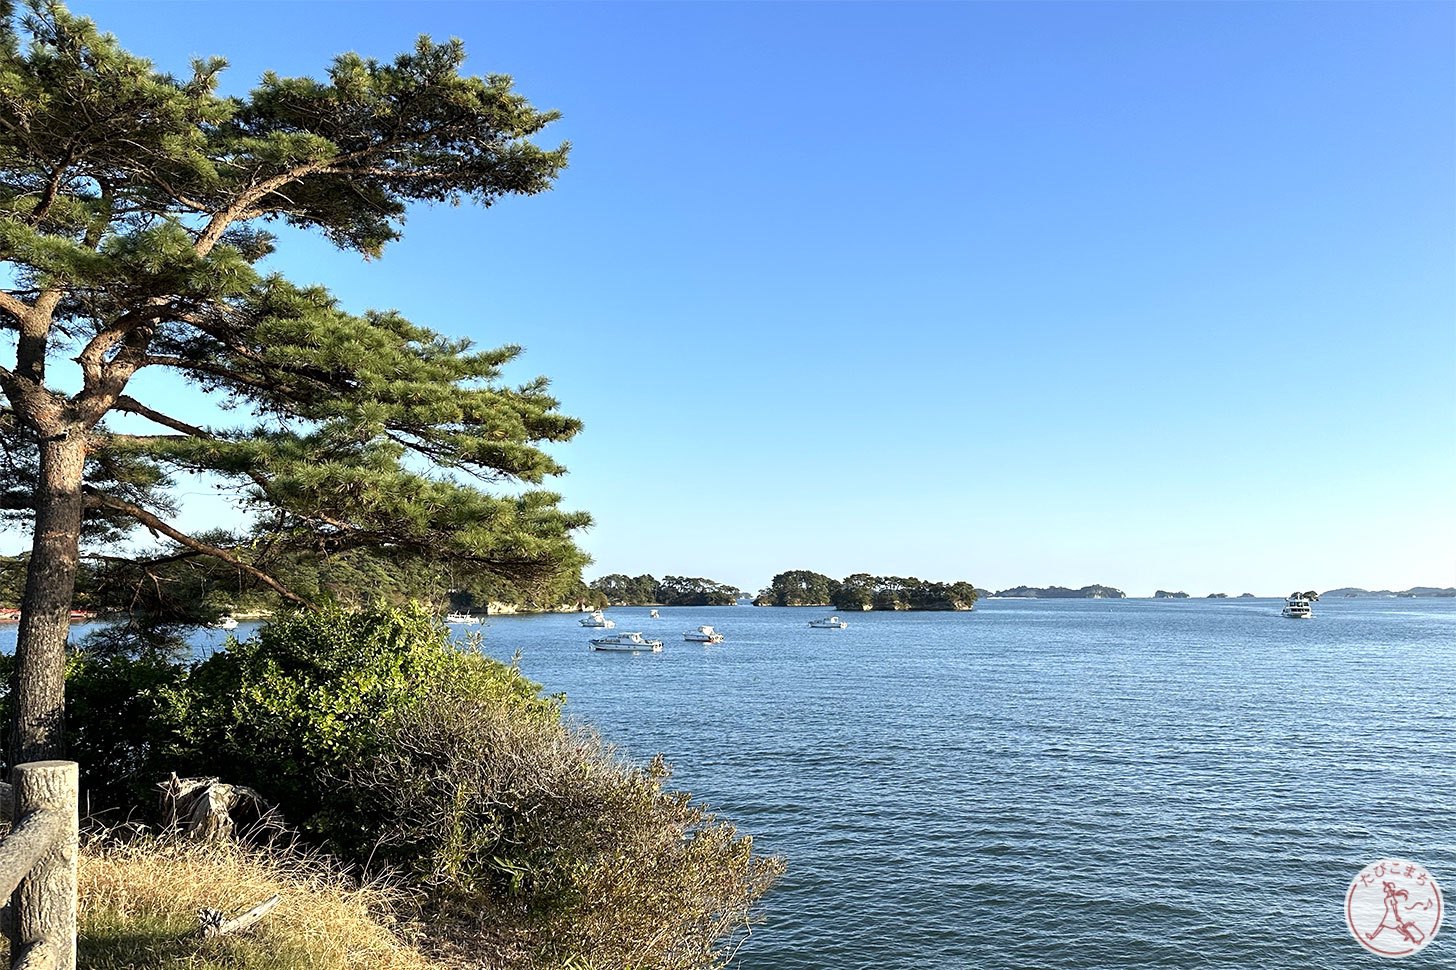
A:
x: 139, y: 906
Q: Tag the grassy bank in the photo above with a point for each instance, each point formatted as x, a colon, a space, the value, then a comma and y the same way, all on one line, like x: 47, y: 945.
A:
x: 139, y: 912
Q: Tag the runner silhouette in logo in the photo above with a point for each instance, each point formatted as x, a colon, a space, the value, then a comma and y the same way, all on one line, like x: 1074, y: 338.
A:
x: 1391, y: 919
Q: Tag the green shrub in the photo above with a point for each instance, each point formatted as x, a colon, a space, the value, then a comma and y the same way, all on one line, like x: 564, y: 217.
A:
x: 300, y: 702
x: 120, y: 725
x: 535, y: 839
x: 314, y: 693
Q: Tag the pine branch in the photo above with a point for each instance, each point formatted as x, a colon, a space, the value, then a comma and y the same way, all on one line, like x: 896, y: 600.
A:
x: 16, y: 308
x: 157, y: 525
x: 132, y: 406
x: 143, y: 439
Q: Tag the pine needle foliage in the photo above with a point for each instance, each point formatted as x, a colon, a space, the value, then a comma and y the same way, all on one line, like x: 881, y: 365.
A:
x: 135, y: 212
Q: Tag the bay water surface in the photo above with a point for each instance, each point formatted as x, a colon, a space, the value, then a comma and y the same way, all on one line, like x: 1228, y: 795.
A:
x: 1047, y: 783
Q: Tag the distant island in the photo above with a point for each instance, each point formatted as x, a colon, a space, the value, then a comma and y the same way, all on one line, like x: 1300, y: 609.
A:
x: 1063, y: 593
x: 1415, y: 592
x: 619, y: 589
x: 862, y: 591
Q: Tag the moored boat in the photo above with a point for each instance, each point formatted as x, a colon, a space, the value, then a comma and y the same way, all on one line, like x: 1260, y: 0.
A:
x: 469, y: 619
x: 597, y: 620
x: 703, y: 634
x: 626, y: 643
x: 828, y: 623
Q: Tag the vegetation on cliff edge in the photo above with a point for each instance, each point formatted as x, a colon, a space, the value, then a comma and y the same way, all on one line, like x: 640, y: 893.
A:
x: 525, y: 841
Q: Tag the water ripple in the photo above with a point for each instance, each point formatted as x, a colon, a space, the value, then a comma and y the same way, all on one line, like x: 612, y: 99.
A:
x: 1076, y: 784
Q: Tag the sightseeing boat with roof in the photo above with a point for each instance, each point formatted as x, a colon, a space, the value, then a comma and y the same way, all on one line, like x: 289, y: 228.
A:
x: 1298, y: 606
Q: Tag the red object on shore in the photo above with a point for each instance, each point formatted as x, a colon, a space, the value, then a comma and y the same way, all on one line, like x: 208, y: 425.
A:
x: 8, y: 615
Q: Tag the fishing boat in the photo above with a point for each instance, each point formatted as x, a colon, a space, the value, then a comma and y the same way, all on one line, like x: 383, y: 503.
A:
x: 626, y: 643
x: 597, y: 620
x: 703, y: 634
x: 653, y: 615
x: 469, y: 619
x: 828, y: 623
x: 227, y: 623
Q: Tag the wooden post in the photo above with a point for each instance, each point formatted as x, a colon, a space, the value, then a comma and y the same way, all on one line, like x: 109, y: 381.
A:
x: 44, y: 905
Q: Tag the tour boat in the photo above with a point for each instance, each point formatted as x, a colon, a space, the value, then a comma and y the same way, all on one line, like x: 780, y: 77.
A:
x: 703, y: 634
x: 469, y: 619
x: 599, y: 621
x: 1296, y: 607
x: 626, y: 643
x: 828, y: 623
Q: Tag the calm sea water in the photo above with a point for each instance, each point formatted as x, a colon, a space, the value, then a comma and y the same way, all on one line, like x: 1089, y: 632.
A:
x: 1060, y: 784
x: 1065, y: 784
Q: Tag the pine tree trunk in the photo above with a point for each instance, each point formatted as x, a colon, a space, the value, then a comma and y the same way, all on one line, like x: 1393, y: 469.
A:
x: 38, y: 733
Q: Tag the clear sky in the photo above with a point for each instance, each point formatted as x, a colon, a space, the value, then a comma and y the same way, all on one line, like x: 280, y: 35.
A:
x: 1146, y: 294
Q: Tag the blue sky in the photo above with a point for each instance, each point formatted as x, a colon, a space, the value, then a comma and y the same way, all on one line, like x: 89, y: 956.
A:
x: 1152, y: 295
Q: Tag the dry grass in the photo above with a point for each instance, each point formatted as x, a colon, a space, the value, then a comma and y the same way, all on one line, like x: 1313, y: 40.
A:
x: 139, y: 908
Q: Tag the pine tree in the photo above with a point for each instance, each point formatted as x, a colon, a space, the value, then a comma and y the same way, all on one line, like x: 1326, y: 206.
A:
x: 133, y: 215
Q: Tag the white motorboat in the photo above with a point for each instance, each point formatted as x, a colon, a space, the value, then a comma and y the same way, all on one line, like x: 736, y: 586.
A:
x: 466, y: 618
x: 703, y: 634
x: 828, y: 623
x: 598, y: 621
x: 653, y: 615
x: 1297, y: 607
x: 626, y: 643
x: 227, y: 623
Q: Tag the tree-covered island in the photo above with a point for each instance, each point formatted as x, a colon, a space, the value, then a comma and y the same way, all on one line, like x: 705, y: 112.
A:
x: 646, y: 590
x: 1093, y: 592
x: 862, y: 591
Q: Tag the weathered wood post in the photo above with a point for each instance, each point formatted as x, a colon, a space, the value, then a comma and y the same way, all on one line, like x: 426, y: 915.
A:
x: 39, y: 859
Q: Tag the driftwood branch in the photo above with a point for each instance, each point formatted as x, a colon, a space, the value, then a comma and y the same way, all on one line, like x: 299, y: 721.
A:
x: 212, y: 924
x: 202, y: 808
